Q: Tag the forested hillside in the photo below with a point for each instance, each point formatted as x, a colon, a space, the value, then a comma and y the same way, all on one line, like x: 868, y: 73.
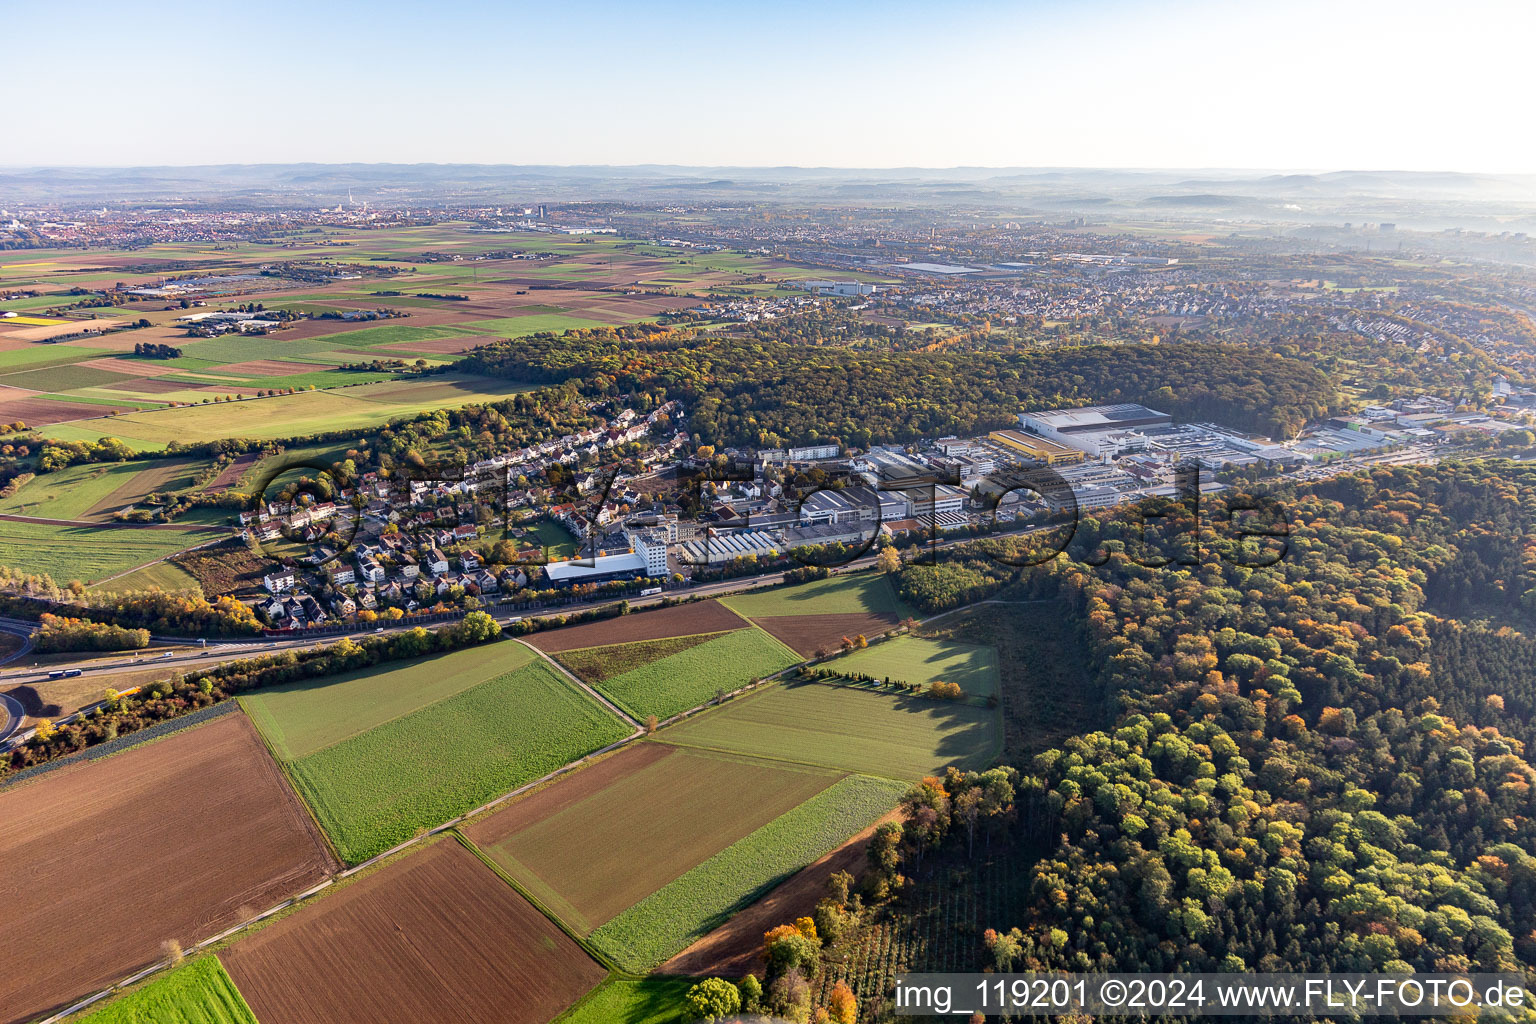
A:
x: 1309, y: 768
x: 769, y: 393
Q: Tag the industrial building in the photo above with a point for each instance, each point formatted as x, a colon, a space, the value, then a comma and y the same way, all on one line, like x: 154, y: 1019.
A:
x: 1100, y: 431
x: 1038, y: 448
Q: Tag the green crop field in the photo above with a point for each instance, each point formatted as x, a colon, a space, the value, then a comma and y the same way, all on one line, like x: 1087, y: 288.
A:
x: 519, y: 326
x: 849, y: 728
x: 654, y: 1000
x: 43, y: 354
x: 300, y: 718
x: 687, y: 675
x: 645, y: 828
x: 840, y: 595
x: 381, y: 787
x: 913, y: 660
x: 71, y: 492
x: 671, y: 918
x: 199, y: 992
x: 165, y: 575
x: 600, y: 664
x: 296, y: 415
x: 85, y: 553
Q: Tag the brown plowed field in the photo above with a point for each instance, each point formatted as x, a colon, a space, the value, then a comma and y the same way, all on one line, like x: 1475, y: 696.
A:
x: 805, y: 634
x: 104, y: 861
x: 436, y: 936
x: 678, y: 620
x: 39, y: 412
x: 733, y: 949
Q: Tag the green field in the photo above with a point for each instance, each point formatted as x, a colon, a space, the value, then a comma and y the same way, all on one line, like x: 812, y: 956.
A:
x: 913, y: 660
x: 380, y: 787
x: 166, y: 575
x: 682, y: 675
x: 848, y: 728
x: 668, y: 920
x: 71, y: 492
x: 296, y: 415
x: 86, y: 553
x: 645, y: 828
x: 654, y: 1000
x: 302, y: 717
x: 839, y: 595
x: 557, y: 542
x: 199, y: 992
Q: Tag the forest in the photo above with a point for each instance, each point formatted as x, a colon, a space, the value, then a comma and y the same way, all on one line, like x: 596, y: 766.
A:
x: 769, y: 393
x: 1314, y: 765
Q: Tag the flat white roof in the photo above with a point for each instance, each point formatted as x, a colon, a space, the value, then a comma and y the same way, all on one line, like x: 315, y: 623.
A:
x: 574, y: 570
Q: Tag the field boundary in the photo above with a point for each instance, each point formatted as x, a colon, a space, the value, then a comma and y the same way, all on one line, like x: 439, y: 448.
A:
x: 602, y: 958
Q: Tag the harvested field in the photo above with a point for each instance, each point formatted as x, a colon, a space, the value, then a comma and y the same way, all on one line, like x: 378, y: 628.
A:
x: 40, y: 412
x: 734, y: 949
x: 808, y: 634
x: 435, y: 936
x: 176, y: 839
x: 150, y: 386
x: 272, y: 368
x: 439, y: 346
x: 677, y: 620
x: 641, y: 818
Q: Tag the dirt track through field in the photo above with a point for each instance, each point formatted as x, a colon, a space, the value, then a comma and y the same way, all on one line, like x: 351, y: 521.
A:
x: 106, y: 860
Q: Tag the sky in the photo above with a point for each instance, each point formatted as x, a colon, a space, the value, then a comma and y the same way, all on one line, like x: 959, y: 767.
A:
x: 1305, y: 84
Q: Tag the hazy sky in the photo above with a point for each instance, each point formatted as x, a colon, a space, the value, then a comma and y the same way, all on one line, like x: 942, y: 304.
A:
x: 1171, y: 83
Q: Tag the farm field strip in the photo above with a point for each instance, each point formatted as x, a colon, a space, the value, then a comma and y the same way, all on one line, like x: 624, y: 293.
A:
x: 199, y: 992
x: 88, y: 554
x: 178, y: 838
x: 671, y: 918
x: 915, y: 660
x: 381, y: 787
x: 688, y: 619
x: 689, y: 677
x: 303, y: 717
x: 432, y: 936
x: 641, y: 818
x: 848, y: 728
x: 844, y: 594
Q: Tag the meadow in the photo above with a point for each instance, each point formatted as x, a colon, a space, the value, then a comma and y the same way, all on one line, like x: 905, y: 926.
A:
x: 297, y: 719
x: 654, y: 1000
x: 685, y: 676
x: 848, y: 728
x: 914, y: 660
x: 668, y: 920
x: 381, y: 787
x: 844, y: 594
x: 640, y: 818
x: 199, y: 992
x: 88, y: 554
x: 295, y: 415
